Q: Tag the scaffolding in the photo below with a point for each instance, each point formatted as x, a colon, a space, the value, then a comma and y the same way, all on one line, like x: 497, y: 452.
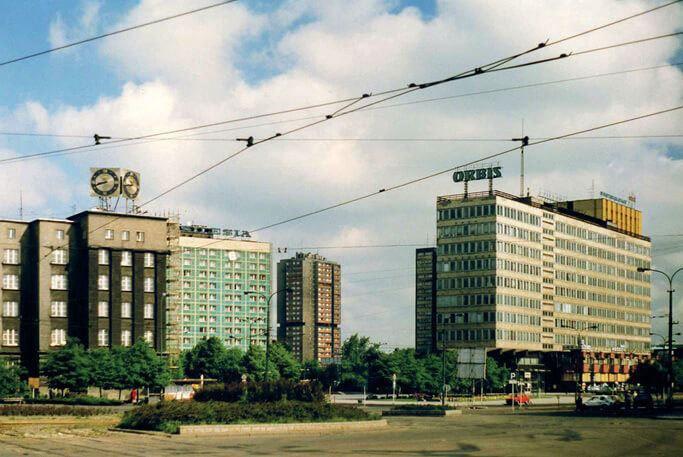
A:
x: 173, y: 324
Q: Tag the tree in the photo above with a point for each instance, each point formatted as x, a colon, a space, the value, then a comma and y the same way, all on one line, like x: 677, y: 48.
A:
x: 145, y: 367
x: 101, y: 370
x: 678, y: 373
x: 650, y: 375
x: 312, y: 370
x: 119, y: 377
x: 231, y: 366
x: 287, y: 366
x: 206, y: 358
x: 10, y: 380
x: 68, y: 368
x: 496, y: 376
x: 254, y: 364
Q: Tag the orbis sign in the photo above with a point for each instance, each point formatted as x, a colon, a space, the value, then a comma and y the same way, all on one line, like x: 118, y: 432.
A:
x: 474, y: 175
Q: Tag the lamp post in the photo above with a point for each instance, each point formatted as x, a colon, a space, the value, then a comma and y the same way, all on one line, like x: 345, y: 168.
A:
x: 670, y: 358
x: 249, y: 292
x: 579, y: 344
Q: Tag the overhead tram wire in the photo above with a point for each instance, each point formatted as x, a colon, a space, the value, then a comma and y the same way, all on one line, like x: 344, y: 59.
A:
x: 250, y: 141
x: 118, y: 142
x: 441, y: 172
x: 395, y: 93
x: 115, y: 32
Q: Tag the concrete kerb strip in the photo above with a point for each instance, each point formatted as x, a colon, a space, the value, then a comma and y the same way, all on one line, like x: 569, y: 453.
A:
x: 139, y: 432
x: 253, y: 429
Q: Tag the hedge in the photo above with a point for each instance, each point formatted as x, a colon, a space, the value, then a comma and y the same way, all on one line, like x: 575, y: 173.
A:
x: 168, y: 415
x: 268, y: 391
x: 49, y: 410
x: 77, y: 400
x: 414, y: 407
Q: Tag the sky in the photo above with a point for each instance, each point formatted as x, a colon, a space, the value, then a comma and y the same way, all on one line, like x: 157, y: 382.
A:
x: 254, y: 57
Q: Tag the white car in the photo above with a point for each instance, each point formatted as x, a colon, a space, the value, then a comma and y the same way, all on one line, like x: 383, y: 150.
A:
x: 600, y: 401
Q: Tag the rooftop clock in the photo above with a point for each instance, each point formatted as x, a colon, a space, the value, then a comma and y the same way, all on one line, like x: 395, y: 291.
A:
x: 105, y: 182
x: 130, y: 184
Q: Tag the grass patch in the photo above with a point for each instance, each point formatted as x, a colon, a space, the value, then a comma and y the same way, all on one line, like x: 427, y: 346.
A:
x: 50, y: 410
x: 168, y: 416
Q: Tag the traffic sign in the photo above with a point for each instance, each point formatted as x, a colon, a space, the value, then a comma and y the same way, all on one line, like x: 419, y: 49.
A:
x: 513, y: 375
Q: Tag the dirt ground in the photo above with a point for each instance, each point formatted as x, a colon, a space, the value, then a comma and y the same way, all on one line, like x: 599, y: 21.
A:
x: 489, y: 432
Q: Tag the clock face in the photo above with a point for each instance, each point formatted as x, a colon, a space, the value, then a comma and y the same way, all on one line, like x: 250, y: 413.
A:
x: 131, y: 185
x: 104, y: 182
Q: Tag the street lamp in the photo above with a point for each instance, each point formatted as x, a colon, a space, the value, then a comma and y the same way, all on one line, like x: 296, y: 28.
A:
x: 580, y: 346
x: 249, y: 292
x: 670, y: 370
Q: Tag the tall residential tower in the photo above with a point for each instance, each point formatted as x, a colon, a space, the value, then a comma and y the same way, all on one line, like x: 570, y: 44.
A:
x: 309, y: 306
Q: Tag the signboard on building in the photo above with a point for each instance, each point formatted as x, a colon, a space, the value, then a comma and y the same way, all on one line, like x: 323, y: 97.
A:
x: 213, y: 232
x: 631, y: 202
x: 471, y: 363
x: 477, y: 174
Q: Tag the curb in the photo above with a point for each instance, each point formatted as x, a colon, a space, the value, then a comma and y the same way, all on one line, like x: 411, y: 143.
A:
x: 253, y: 429
x: 139, y: 432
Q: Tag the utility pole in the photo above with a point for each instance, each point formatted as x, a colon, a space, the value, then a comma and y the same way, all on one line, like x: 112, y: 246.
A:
x: 443, y: 367
x: 525, y: 141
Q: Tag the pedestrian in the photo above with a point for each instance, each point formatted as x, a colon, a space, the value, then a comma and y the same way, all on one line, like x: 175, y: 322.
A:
x: 627, y: 400
x: 579, y: 402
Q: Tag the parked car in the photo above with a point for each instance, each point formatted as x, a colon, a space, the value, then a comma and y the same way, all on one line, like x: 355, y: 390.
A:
x: 642, y: 399
x: 600, y: 402
x: 520, y: 399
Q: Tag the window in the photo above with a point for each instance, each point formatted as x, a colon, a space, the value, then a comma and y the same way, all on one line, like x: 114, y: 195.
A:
x: 103, y: 337
x: 59, y: 233
x: 126, y: 258
x: 125, y: 235
x: 126, y: 283
x: 59, y: 257
x: 149, y: 337
x: 10, y: 282
x: 102, y: 309
x: 149, y: 260
x: 10, y: 337
x: 148, y: 284
x: 10, y: 309
x: 58, y: 282
x: 11, y: 256
x: 149, y: 311
x: 58, y: 337
x: 58, y: 309
x: 126, y: 310
x: 11, y: 233
x: 140, y: 236
x: 103, y: 282
x: 125, y: 338
x: 108, y: 234
x: 103, y: 257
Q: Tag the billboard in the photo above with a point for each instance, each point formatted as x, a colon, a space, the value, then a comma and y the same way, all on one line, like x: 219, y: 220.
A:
x: 471, y: 363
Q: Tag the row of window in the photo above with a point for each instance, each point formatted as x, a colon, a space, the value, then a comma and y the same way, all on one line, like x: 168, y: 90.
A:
x: 600, y: 327
x: 518, y: 249
x: 599, y: 253
x: 619, y: 286
x: 465, y: 212
x: 488, y: 299
x: 601, y: 268
x: 517, y: 232
x: 126, y: 258
x: 227, y: 275
x: 482, y: 228
x: 126, y: 310
x: 231, y: 254
x: 518, y: 215
x: 126, y: 283
x: 598, y: 342
x: 607, y: 240
x: 125, y: 235
x: 606, y: 313
x: 226, y: 265
x: 466, y: 247
x: 602, y: 298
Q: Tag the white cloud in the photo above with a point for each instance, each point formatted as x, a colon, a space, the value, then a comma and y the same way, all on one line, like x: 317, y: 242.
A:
x: 60, y: 33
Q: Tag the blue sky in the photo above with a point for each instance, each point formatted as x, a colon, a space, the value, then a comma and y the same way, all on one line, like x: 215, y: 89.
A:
x: 258, y: 56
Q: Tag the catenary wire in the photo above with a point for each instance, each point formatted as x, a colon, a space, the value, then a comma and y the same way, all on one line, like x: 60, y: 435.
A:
x: 438, y: 173
x: 115, y: 32
x: 192, y: 137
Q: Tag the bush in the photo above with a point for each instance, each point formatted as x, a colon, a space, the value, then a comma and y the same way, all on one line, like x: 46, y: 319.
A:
x: 413, y: 407
x: 49, y: 410
x: 167, y: 416
x: 77, y: 400
x: 267, y: 391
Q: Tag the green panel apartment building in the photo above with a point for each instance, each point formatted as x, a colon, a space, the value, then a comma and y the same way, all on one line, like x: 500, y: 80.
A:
x: 220, y: 288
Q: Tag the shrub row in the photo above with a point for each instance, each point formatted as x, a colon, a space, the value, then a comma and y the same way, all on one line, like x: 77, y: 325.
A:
x: 166, y: 416
x: 269, y: 391
x: 77, y: 400
x: 49, y: 410
x: 414, y: 407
